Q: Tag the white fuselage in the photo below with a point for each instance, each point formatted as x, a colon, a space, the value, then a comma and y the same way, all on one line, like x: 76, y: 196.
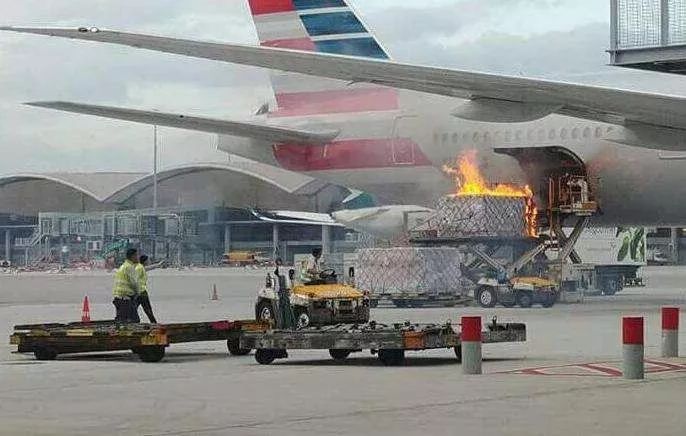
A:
x: 634, y: 186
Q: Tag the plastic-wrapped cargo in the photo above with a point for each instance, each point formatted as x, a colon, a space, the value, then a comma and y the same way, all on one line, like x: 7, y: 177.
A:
x: 465, y: 216
x: 421, y: 270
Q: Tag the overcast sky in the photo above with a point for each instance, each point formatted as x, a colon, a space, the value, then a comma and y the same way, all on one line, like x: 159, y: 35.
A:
x: 546, y: 38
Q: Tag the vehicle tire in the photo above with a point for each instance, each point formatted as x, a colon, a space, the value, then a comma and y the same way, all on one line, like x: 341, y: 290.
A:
x: 45, y: 353
x: 152, y: 353
x: 339, y: 354
x: 486, y: 297
x: 524, y: 299
x: 265, y: 356
x: 391, y: 357
x: 458, y: 353
x: 549, y: 300
x: 265, y: 311
x: 611, y: 286
x: 235, y: 349
x: 302, y: 318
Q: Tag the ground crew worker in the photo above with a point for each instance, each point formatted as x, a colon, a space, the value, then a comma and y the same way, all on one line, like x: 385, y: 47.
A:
x: 285, y: 318
x: 583, y: 185
x: 309, y: 273
x: 580, y: 183
x: 126, y: 289
x: 143, y: 297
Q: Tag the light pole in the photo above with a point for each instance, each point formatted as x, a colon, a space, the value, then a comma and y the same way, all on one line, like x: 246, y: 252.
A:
x: 154, y: 193
x: 154, y: 173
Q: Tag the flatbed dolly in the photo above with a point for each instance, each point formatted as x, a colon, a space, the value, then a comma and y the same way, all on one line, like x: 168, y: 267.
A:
x: 417, y: 299
x: 389, y: 342
x: 148, y: 341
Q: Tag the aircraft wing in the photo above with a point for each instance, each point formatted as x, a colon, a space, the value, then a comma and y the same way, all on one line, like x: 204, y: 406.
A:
x: 246, y: 129
x: 492, y: 97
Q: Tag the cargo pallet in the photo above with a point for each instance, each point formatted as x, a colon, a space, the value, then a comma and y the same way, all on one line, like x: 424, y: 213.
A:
x: 388, y: 342
x: 148, y: 341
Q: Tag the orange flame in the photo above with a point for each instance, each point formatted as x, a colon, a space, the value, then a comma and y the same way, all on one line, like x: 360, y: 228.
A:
x: 470, y: 182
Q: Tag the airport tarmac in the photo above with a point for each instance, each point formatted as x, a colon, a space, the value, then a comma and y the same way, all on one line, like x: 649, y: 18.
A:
x: 541, y: 387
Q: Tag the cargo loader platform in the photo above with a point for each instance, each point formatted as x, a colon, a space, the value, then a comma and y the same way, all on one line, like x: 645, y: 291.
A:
x: 148, y: 341
x: 388, y: 342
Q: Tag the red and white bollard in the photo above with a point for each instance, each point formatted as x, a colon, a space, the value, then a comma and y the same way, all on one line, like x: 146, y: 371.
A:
x: 670, y: 332
x: 471, y: 344
x: 632, y: 350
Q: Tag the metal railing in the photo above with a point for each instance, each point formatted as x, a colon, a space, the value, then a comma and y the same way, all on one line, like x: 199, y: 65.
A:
x: 647, y: 23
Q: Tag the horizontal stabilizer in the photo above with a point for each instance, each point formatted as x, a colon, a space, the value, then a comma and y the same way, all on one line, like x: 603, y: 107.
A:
x: 245, y: 129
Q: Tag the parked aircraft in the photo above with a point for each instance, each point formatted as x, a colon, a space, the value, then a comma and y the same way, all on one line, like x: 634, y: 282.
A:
x: 362, y: 120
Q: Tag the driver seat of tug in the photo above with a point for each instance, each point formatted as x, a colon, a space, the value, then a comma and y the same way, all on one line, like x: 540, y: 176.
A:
x: 311, y: 272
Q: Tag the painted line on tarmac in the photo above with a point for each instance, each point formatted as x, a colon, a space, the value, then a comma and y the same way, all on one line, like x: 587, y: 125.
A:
x: 283, y: 422
x: 597, y: 369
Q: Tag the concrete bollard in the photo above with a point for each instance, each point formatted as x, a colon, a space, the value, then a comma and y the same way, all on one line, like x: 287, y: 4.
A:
x: 670, y: 332
x: 632, y: 350
x: 471, y: 344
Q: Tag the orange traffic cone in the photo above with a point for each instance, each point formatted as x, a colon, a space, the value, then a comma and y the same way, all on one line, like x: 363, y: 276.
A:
x: 86, y: 310
x: 214, y: 296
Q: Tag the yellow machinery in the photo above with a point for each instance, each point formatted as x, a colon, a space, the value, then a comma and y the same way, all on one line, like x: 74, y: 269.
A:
x: 321, y: 304
x: 524, y: 291
x: 243, y: 258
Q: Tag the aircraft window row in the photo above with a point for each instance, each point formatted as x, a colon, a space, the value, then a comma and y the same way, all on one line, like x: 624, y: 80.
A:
x: 518, y: 135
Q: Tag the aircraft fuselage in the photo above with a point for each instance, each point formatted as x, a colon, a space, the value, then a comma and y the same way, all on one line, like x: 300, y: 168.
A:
x: 398, y: 156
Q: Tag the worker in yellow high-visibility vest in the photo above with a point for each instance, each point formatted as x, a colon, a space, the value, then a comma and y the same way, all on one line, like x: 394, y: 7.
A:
x: 126, y: 289
x: 143, y: 297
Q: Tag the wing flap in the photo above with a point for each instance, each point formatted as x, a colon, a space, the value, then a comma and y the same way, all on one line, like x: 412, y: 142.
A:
x: 585, y: 101
x: 246, y: 129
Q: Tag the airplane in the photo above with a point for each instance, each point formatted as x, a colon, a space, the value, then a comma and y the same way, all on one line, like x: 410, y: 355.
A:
x: 361, y: 120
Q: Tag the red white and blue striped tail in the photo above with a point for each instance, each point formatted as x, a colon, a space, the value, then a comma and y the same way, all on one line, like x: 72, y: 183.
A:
x: 326, y: 26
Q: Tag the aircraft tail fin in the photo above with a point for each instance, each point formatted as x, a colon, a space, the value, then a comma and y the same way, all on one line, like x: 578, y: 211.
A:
x: 326, y: 26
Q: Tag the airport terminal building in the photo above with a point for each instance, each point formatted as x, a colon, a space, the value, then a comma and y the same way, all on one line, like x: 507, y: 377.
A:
x: 203, y: 211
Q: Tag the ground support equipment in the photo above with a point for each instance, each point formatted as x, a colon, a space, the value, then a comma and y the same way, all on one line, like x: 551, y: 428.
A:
x: 148, y: 341
x: 388, y: 342
x: 417, y: 299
